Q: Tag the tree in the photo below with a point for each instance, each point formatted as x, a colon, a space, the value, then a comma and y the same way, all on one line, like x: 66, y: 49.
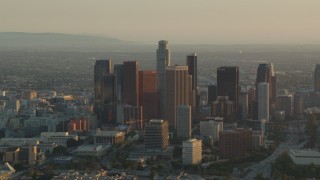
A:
x: 72, y: 143
x: 59, y: 150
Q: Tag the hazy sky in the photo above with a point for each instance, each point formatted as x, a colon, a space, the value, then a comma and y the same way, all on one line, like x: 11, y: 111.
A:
x: 179, y: 21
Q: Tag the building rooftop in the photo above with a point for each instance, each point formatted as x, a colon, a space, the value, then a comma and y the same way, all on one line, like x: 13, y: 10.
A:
x: 191, y: 140
x: 86, y: 148
x: 305, y: 153
x: 156, y: 121
x: 109, y: 133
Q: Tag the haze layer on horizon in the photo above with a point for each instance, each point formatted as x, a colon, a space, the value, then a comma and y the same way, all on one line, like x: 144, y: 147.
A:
x: 179, y: 21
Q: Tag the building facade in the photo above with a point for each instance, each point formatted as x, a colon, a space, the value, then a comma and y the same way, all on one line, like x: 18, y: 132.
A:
x: 178, y: 92
x: 163, y: 60
x: 191, y: 152
x: 192, y: 63
x: 211, y: 128
x: 148, y: 94
x: 317, y: 78
x: 131, y: 83
x: 184, y: 121
x: 235, y: 143
x: 228, y: 85
x: 156, y: 135
x: 222, y: 107
x: 263, y: 101
x: 108, y: 137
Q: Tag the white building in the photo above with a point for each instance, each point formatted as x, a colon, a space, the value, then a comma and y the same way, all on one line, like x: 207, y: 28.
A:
x: 257, y: 139
x: 89, y: 150
x: 191, y: 152
x: 184, y: 121
x: 108, y: 137
x: 59, y: 138
x: 305, y: 157
x: 211, y: 128
x: 263, y: 101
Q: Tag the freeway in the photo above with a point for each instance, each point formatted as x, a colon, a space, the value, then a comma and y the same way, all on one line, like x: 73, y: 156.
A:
x: 264, y: 166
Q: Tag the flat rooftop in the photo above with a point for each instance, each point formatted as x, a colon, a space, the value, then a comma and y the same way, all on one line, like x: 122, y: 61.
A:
x: 109, y: 133
x: 304, y: 153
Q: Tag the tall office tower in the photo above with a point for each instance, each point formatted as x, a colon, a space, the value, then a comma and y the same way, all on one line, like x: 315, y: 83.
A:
x: 148, y: 94
x: 228, y: 85
x: 178, y: 92
x: 184, y: 121
x: 104, y: 91
x: 263, y: 101
x: 298, y: 106
x: 133, y: 117
x: 131, y: 83
x: 243, y: 106
x: 212, y: 94
x: 317, y: 78
x: 193, y: 71
x: 265, y: 73
x: 156, y: 135
x: 274, y: 95
x: 222, y: 107
x: 251, y: 98
x: 285, y: 103
x: 118, y: 73
x: 163, y: 60
x: 191, y: 151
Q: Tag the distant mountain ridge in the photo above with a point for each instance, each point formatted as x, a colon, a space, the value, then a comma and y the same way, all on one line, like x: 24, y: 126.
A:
x: 59, y: 41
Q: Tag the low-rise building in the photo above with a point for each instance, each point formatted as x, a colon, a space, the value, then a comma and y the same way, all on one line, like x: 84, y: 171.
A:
x: 89, y: 150
x: 28, y: 154
x: 108, y: 137
x: 305, y: 157
x: 59, y: 138
x: 15, y: 142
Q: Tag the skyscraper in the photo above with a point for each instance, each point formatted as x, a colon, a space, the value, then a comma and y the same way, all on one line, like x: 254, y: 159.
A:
x: 317, y: 78
x: 212, y: 93
x: 243, y: 105
x: 228, y: 85
x: 193, y: 71
x: 131, y: 83
x: 104, y: 88
x: 133, y: 117
x: 178, y: 92
x: 298, y: 106
x: 101, y: 69
x: 265, y: 73
x: 118, y: 73
x: 285, y: 103
x: 184, y: 121
x: 163, y: 60
x: 148, y: 94
x: 263, y: 101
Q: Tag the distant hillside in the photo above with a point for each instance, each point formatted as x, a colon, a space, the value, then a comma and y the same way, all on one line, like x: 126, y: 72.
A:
x: 56, y: 41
